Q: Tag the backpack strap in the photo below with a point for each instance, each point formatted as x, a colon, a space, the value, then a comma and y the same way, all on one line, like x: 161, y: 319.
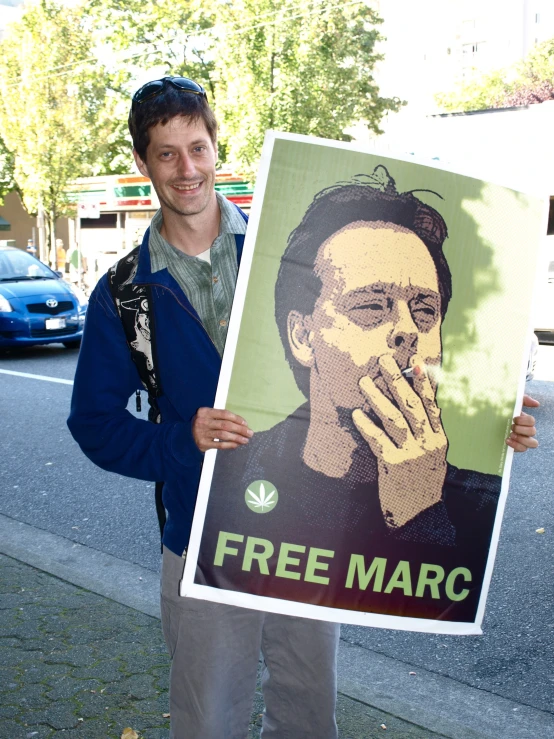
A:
x: 133, y: 303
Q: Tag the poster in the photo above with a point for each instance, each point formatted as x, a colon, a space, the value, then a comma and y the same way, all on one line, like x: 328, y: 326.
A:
x: 377, y: 348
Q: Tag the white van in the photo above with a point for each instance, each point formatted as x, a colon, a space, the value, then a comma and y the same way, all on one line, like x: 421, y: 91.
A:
x: 544, y: 315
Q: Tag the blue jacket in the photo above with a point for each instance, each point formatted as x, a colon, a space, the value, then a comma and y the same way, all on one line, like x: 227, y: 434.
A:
x: 188, y: 366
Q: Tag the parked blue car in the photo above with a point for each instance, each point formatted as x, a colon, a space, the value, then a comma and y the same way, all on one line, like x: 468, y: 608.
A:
x: 36, y: 305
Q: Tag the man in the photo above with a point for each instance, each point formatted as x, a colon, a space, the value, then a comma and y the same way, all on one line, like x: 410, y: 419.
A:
x: 189, y: 260
x: 360, y: 470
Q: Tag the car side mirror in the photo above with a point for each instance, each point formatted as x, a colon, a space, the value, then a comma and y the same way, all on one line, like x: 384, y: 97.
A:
x: 58, y: 273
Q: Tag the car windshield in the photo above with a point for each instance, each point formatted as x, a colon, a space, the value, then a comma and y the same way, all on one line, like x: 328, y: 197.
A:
x: 18, y: 265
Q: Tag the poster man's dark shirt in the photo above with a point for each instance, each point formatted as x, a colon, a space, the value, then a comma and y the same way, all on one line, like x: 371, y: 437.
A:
x: 314, y: 510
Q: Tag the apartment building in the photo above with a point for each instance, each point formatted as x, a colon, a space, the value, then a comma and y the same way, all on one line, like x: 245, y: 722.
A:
x: 433, y: 45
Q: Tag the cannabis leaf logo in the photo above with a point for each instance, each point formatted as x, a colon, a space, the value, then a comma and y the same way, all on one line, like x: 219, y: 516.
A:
x: 261, y: 496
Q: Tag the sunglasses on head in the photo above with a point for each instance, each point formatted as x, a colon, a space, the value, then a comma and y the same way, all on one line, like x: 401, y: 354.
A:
x: 156, y: 87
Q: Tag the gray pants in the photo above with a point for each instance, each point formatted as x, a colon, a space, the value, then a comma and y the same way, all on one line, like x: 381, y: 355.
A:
x: 214, y: 652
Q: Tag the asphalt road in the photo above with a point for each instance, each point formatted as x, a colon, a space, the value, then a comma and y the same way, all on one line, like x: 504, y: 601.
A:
x: 48, y: 483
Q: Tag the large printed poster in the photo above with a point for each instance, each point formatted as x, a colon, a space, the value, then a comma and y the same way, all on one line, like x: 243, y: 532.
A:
x: 377, y: 349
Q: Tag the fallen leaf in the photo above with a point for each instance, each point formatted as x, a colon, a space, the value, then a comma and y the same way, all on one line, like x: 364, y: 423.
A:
x: 166, y: 715
x: 539, y: 531
x: 129, y: 734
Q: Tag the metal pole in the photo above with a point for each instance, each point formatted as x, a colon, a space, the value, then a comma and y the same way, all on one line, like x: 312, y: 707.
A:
x: 120, y: 234
x: 79, y: 257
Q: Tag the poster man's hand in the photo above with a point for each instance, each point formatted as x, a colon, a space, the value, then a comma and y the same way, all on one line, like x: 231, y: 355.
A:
x: 411, y: 447
x: 219, y: 429
x: 523, y: 428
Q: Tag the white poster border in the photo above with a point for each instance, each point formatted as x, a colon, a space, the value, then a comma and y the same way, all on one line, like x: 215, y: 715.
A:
x: 190, y: 589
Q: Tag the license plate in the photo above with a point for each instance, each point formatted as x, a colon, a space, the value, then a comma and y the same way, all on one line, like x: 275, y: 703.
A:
x: 54, y: 323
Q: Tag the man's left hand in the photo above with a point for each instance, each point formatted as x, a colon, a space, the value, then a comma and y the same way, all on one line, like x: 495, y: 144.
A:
x: 523, y: 428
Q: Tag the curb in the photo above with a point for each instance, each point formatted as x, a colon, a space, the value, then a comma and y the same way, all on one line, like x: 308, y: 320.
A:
x: 426, y: 699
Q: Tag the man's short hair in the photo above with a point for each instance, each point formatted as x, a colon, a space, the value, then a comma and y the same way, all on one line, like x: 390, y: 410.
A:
x: 364, y: 198
x: 162, y: 108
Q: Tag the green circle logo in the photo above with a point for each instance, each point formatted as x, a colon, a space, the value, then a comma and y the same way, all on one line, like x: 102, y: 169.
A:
x: 261, y: 496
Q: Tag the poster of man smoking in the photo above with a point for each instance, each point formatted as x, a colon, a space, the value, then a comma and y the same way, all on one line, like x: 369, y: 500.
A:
x: 377, y: 349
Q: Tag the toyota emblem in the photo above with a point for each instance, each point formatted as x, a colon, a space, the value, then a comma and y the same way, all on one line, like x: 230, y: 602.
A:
x: 52, y: 303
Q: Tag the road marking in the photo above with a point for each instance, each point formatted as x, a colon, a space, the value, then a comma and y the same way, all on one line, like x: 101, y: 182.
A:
x: 37, y: 377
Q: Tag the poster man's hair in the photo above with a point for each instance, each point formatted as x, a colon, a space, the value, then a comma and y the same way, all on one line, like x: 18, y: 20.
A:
x: 364, y: 198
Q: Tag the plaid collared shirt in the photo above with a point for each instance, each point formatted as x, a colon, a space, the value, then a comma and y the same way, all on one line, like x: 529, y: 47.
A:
x: 209, y: 283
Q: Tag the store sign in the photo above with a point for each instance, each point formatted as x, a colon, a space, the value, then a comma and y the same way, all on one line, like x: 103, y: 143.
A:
x: 88, y: 210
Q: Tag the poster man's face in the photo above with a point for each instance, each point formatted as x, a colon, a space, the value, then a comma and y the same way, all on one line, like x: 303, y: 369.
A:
x: 380, y: 295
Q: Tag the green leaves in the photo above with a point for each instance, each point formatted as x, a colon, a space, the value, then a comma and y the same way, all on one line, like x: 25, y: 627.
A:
x: 67, y: 73
x: 7, y: 182
x: 60, y: 112
x: 170, y: 34
x: 530, y: 81
x: 305, y: 68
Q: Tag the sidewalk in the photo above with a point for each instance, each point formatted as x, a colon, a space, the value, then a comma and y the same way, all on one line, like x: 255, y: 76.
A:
x: 78, y: 664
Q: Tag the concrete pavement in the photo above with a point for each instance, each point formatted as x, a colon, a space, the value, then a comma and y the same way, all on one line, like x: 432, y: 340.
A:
x: 77, y: 620
x: 73, y: 662
x: 80, y: 664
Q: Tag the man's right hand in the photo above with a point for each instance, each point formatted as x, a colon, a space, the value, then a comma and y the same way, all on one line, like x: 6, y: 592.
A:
x: 218, y: 429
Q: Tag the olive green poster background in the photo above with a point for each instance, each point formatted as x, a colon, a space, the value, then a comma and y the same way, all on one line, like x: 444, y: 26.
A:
x: 492, y: 251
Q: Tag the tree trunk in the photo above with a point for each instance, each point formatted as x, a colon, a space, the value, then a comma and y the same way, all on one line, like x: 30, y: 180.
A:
x: 43, y: 246
x: 53, y: 238
x: 50, y: 218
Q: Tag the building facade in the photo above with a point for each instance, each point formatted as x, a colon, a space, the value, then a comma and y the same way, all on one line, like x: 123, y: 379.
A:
x: 433, y: 45
x: 112, y: 213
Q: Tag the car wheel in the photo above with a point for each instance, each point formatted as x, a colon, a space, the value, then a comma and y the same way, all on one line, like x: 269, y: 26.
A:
x: 75, y: 344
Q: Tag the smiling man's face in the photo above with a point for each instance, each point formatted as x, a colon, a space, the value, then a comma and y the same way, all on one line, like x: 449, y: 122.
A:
x: 380, y: 295
x: 181, y: 159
